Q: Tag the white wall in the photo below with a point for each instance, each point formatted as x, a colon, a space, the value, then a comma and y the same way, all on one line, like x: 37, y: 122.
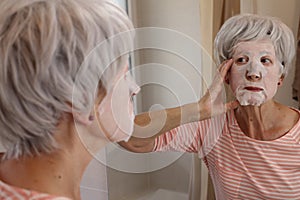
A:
x: 183, y: 21
x: 178, y: 81
x: 289, y: 12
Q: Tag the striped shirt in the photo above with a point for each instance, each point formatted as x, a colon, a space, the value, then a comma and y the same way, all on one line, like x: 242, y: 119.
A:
x: 8, y: 192
x: 240, y: 167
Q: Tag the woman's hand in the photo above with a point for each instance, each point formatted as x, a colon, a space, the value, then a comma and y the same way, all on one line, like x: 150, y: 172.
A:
x: 214, y: 101
x: 152, y: 124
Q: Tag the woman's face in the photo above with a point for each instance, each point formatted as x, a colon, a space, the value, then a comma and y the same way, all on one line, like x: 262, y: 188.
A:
x: 255, y: 72
x: 115, y: 112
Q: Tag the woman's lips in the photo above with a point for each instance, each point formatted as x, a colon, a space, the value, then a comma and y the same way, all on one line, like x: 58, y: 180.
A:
x: 253, y: 89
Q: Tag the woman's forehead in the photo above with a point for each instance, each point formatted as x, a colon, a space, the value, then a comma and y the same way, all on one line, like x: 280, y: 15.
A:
x: 255, y: 47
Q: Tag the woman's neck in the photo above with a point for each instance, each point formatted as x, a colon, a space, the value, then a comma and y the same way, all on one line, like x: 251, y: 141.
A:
x: 58, y: 173
x: 269, y: 121
x: 52, y: 174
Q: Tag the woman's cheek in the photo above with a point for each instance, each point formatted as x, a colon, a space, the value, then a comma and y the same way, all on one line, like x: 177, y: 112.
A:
x: 271, y: 84
x: 236, y: 78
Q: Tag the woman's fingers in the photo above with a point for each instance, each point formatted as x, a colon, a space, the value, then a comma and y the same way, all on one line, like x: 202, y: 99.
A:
x: 218, y: 82
x: 225, y: 67
x: 231, y: 105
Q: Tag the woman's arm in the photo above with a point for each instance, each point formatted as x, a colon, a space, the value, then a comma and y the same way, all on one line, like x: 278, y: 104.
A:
x: 150, y: 125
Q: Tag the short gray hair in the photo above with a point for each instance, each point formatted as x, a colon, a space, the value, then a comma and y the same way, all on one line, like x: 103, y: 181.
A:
x: 250, y: 27
x: 44, y: 47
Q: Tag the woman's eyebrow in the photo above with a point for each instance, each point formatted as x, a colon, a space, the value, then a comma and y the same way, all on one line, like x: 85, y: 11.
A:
x: 263, y: 53
x: 241, y: 52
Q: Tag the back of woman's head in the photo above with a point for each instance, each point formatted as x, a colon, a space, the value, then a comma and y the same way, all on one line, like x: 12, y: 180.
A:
x: 251, y: 27
x: 44, y: 46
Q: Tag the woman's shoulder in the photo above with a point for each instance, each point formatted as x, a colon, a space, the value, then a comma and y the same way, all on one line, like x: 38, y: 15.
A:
x: 285, y: 114
x: 289, y: 118
x: 13, y: 192
x: 292, y: 114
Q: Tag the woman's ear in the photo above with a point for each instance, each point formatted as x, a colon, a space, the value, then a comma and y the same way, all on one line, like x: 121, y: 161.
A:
x: 85, y: 119
x: 88, y: 118
x: 280, y: 80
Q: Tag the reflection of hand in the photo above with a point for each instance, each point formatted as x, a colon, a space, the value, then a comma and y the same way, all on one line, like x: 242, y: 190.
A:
x: 212, y: 103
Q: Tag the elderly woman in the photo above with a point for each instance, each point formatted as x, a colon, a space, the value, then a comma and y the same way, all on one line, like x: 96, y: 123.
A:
x: 252, y: 150
x: 60, y: 64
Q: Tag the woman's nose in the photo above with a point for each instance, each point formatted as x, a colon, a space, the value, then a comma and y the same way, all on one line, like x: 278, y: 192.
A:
x: 253, y: 76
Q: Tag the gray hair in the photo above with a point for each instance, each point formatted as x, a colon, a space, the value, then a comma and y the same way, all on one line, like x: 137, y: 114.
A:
x: 48, y: 67
x: 251, y: 27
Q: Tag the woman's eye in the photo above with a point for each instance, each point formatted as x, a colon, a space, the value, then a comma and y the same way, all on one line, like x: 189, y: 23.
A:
x: 241, y: 60
x: 266, y: 61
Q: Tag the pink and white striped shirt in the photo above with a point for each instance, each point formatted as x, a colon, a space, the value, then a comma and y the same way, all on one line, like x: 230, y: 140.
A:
x: 8, y: 192
x: 240, y: 167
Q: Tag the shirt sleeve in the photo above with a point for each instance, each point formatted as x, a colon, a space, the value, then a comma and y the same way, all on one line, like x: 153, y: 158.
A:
x: 196, y: 137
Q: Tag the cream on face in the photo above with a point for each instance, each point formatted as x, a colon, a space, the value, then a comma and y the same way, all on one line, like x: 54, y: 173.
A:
x: 255, y: 73
x: 115, y: 112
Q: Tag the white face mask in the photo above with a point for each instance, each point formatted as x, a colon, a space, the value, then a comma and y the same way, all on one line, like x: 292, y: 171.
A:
x: 115, y: 112
x: 255, y: 73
